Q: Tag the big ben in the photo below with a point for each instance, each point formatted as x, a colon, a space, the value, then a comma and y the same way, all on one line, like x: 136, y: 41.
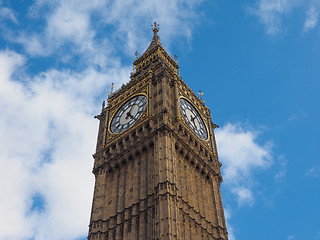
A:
x: 156, y: 167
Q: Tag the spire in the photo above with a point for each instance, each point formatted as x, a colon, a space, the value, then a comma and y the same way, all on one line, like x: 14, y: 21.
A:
x: 155, y: 40
x: 155, y: 49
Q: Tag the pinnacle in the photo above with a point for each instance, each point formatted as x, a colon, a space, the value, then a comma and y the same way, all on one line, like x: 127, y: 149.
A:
x: 156, y: 39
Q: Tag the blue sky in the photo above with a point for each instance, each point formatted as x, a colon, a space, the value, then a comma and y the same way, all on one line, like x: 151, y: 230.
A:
x: 256, y: 61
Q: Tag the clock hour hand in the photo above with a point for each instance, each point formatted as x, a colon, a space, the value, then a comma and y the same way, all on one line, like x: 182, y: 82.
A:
x: 192, y: 120
x: 129, y: 113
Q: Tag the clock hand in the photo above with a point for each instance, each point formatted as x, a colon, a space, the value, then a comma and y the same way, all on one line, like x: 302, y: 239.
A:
x: 129, y: 113
x: 192, y: 120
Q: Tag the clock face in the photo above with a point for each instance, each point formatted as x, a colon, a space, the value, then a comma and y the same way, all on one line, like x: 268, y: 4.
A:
x: 192, y: 117
x: 128, y: 114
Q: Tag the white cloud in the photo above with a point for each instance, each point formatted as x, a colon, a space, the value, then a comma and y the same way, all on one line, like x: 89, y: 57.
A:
x: 32, y: 44
x: 298, y: 116
x: 76, y: 23
x: 7, y: 14
x: 67, y: 25
x: 282, y: 172
x: 177, y: 18
x: 313, y: 172
x: 241, y: 155
x: 47, y: 136
x: 312, y: 16
x: 227, y: 214
x: 271, y: 13
x: 244, y: 195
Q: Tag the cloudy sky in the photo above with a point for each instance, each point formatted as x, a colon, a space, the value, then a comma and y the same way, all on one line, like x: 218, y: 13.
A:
x: 257, y: 62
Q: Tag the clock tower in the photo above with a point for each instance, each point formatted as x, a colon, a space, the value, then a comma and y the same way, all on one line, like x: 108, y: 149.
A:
x: 157, y: 172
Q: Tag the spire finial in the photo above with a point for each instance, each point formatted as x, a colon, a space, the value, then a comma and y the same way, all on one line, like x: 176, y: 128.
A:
x: 201, y: 94
x: 112, y: 86
x: 155, y: 40
x: 155, y: 28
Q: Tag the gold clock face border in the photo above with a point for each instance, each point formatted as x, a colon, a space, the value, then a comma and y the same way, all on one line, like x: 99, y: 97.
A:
x: 204, y: 122
x: 138, y: 120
